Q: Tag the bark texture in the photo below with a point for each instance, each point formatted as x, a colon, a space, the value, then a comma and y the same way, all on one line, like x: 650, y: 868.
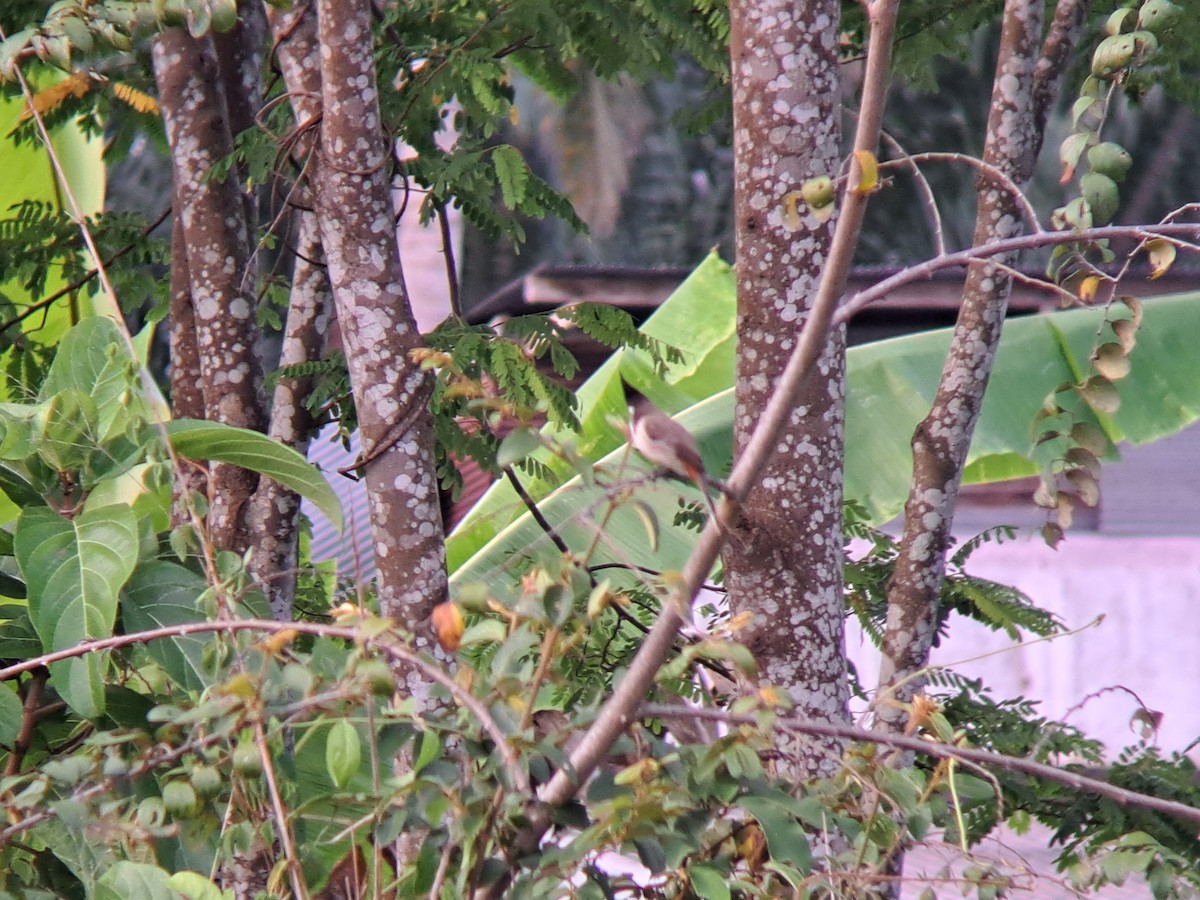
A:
x: 787, y: 565
x: 1025, y: 86
x: 354, y: 208
x: 216, y: 238
x: 274, y: 511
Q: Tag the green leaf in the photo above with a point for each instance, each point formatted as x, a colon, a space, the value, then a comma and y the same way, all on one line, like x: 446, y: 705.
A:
x: 160, y: 594
x: 517, y: 445
x: 11, y: 713
x: 891, y: 386
x: 134, y: 881
x: 343, y: 753
x: 195, y: 439
x: 94, y: 358
x: 786, y: 840
x: 428, y: 750
x: 194, y: 886
x: 511, y: 173
x: 74, y: 569
x: 69, y: 430
x: 701, y: 316
x: 708, y: 882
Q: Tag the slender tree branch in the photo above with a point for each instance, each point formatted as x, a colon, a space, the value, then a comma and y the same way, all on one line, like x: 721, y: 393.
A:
x: 451, y: 266
x: 621, y: 707
x: 83, y: 279
x: 1176, y: 234
x: 984, y: 758
x: 386, y: 643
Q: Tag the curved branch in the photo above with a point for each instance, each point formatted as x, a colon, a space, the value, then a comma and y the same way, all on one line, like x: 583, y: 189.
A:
x: 374, y: 642
x: 1179, y: 235
x: 984, y: 758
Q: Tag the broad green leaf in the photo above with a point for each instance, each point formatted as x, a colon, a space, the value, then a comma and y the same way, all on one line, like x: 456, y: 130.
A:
x: 74, y: 569
x: 195, y: 439
x: 786, y: 840
x: 69, y: 430
x: 343, y: 753
x: 134, y: 881
x: 194, y: 886
x: 161, y: 594
x: 708, y: 882
x: 94, y: 358
x: 891, y: 385
x: 699, y: 318
x: 18, y: 640
x: 11, y: 714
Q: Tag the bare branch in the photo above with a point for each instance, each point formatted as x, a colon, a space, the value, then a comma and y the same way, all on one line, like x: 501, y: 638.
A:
x: 1181, y: 236
x: 984, y: 758
x: 387, y: 642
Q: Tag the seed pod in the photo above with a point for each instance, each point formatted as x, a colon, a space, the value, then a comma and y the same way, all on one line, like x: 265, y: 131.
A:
x: 206, y: 781
x: 179, y: 798
x: 247, y: 761
x: 1110, y: 159
x: 1102, y: 197
x: 1112, y: 55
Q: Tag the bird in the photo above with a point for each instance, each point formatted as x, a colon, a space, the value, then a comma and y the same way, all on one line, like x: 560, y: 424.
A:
x: 668, y: 445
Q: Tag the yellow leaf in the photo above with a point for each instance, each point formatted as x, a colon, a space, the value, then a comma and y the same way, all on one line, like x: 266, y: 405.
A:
x: 868, y: 172
x: 1088, y: 287
x: 791, y: 214
x: 1162, y: 255
x: 275, y: 643
x: 139, y: 100
x: 74, y: 85
x: 239, y: 685
x: 448, y: 625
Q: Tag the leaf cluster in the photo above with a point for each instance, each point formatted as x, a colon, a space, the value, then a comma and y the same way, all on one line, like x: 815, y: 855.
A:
x: 994, y: 605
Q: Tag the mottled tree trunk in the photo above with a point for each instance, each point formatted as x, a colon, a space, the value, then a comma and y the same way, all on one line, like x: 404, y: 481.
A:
x: 217, y: 242
x: 1024, y: 88
x: 354, y: 208
x: 787, y: 565
x: 274, y: 511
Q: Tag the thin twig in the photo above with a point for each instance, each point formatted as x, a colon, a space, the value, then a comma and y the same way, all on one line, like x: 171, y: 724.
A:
x: 378, y: 642
x: 1175, y: 234
x: 986, y: 758
x: 451, y: 266
x: 83, y: 279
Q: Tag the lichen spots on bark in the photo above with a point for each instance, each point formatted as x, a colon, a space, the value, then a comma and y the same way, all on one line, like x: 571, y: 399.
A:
x: 354, y: 203
x: 786, y: 567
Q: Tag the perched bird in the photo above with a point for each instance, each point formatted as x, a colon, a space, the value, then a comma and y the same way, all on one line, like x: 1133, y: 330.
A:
x: 667, y: 444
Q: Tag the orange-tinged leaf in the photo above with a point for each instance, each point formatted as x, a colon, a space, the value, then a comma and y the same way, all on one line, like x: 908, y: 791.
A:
x: 274, y: 643
x: 448, y: 625
x: 1161, y: 255
x: 868, y: 172
x: 74, y: 85
x: 1088, y: 288
x: 139, y: 100
x: 791, y: 212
